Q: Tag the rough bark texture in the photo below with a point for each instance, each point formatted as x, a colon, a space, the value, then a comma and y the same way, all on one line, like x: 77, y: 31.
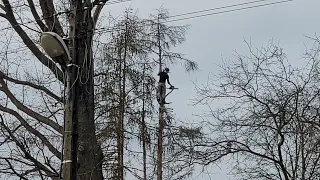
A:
x: 89, y: 152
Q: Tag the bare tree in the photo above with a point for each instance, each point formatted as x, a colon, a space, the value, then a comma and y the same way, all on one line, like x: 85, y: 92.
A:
x: 267, y: 116
x: 38, y: 108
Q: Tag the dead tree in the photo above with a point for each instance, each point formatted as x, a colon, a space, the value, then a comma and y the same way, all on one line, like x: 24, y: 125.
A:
x: 125, y: 84
x: 159, y: 40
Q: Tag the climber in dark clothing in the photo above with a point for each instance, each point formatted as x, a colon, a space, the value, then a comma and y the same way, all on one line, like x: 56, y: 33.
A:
x: 163, y: 76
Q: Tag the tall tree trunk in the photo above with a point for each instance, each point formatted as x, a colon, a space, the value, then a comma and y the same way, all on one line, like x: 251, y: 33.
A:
x: 119, y: 130
x: 161, y: 114
x: 122, y: 88
x: 160, y: 142
x: 89, y: 152
x: 143, y: 132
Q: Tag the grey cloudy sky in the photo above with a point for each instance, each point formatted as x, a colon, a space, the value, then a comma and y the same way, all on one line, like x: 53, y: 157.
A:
x: 213, y: 37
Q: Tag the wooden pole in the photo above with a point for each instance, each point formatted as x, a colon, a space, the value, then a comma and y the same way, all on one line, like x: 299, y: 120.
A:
x: 69, y: 164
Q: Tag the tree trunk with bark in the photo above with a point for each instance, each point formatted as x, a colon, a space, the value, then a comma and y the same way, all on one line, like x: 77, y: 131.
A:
x: 89, y: 153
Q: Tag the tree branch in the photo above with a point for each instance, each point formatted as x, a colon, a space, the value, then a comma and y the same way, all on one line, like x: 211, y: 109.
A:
x: 3, y: 8
x: 27, y: 110
x: 3, y: 15
x: 36, y: 16
x: 33, y: 131
x: 30, y: 44
x: 35, y: 169
x: 14, y: 171
x: 49, y: 15
x: 27, y: 155
x: 100, y: 4
x: 35, y: 86
x: 8, y: 137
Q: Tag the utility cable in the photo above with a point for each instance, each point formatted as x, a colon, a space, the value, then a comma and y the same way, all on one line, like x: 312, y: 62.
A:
x: 213, y: 9
x: 113, y: 29
x: 232, y: 10
x: 203, y: 15
x: 179, y: 15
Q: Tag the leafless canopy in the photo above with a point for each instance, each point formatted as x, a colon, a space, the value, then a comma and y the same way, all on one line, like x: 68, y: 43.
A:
x: 264, y: 114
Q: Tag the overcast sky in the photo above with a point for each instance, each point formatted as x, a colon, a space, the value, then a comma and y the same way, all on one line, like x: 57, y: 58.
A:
x: 213, y: 37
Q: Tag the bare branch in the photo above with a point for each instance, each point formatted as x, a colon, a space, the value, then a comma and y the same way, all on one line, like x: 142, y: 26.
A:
x: 36, y: 16
x: 3, y: 8
x: 96, y: 14
x: 27, y: 110
x: 27, y: 155
x: 35, y: 86
x: 29, y: 171
x: 49, y: 15
x: 14, y: 171
x: 273, y: 109
x: 314, y: 123
x: 3, y: 15
x: 26, y: 125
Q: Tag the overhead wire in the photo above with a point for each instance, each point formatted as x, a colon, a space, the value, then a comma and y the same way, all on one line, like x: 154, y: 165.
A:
x: 232, y: 10
x: 208, y: 14
x: 113, y: 29
x: 217, y: 8
x: 183, y: 14
x: 110, y: 29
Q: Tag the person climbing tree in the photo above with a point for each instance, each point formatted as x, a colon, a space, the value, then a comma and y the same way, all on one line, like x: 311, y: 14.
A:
x: 161, y: 91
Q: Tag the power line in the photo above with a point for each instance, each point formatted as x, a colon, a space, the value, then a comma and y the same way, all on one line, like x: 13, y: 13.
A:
x: 212, y: 9
x: 113, y: 29
x: 178, y: 15
x: 209, y: 14
x: 226, y: 11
